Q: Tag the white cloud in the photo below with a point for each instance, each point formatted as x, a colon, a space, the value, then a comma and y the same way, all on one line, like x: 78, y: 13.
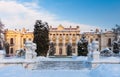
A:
x: 18, y: 15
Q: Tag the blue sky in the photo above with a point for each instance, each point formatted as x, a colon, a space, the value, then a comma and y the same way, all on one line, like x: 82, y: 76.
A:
x: 91, y: 12
x: 97, y: 13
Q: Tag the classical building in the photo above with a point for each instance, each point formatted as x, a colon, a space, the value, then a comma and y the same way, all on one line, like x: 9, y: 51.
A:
x: 61, y: 37
x: 106, y: 40
x: 16, y: 39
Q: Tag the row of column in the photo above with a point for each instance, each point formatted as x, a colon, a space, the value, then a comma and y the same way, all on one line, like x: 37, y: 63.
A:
x: 63, y: 47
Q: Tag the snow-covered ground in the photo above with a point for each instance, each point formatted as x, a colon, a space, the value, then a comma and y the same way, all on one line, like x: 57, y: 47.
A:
x: 104, y: 70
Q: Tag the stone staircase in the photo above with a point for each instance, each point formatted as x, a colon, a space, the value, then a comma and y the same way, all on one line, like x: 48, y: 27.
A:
x: 61, y: 65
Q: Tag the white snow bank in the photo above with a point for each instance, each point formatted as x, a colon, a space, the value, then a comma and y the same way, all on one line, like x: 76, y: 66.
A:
x: 60, y: 73
x: 42, y: 58
x: 2, y: 51
x: 112, y: 59
x: 81, y: 58
x: 19, y: 71
x: 108, y: 60
x: 13, y: 71
x: 106, y: 70
x: 17, y: 60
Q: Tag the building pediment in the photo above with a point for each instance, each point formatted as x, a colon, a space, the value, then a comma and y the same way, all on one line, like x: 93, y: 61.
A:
x: 60, y: 27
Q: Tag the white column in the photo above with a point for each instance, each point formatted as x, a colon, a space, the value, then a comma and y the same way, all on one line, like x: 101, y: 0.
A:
x: 57, y: 45
x: 64, y: 46
x: 50, y: 37
x: 70, y: 39
x: 76, y: 45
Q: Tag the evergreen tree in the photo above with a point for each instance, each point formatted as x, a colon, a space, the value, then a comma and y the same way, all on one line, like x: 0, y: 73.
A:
x: 116, y: 42
x: 41, y: 38
x: 82, y: 46
x: 52, y: 49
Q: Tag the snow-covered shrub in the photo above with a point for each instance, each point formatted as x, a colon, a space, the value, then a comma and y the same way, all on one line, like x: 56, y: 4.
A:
x: 106, y: 70
x: 106, y: 52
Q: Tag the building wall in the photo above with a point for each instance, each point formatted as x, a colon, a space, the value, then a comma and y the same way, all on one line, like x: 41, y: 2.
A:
x: 93, y: 36
x: 105, y: 42
x: 18, y: 37
x: 61, y: 37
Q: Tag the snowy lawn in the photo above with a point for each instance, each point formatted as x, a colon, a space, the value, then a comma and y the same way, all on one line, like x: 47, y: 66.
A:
x: 104, y: 70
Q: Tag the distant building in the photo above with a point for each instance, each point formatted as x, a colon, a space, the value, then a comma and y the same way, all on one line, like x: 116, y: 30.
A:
x: 105, y: 38
x: 16, y: 39
x: 61, y: 36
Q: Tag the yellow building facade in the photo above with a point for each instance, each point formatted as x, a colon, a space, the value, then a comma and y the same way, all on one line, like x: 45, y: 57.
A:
x: 16, y: 39
x: 60, y: 36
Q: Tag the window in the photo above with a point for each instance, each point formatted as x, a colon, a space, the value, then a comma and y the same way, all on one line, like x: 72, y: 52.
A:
x: 96, y: 39
x: 73, y: 50
x: 60, y: 44
x: 73, y: 44
x: 11, y: 41
x: 24, y: 40
x: 11, y: 50
x: 29, y: 39
x: 91, y: 40
x: 109, y: 42
x: 60, y: 51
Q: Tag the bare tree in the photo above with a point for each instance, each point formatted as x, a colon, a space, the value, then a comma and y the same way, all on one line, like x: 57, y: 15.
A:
x: 1, y: 31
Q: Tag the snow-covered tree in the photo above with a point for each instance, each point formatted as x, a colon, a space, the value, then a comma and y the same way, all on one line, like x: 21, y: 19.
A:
x: 1, y: 28
x: 52, y: 49
x: 82, y: 46
x: 41, y: 37
x: 1, y: 31
x: 116, y: 42
x: 106, y: 52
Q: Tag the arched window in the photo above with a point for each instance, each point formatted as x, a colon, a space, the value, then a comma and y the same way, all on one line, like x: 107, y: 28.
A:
x: 109, y: 42
x: 11, y: 41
